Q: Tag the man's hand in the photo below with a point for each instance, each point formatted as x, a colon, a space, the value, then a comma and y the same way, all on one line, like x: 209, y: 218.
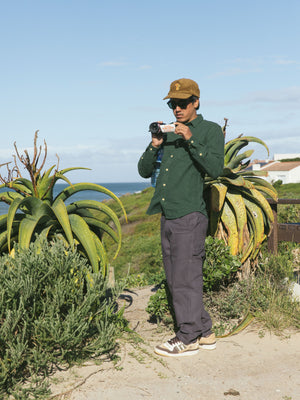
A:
x: 157, y: 140
x: 183, y: 131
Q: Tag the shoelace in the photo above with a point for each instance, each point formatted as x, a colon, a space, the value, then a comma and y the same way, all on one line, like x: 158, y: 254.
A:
x: 175, y: 342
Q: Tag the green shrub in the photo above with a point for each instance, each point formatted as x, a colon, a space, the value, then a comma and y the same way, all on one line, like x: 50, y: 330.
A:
x: 53, y: 310
x: 160, y: 305
x: 277, y: 184
x: 220, y: 266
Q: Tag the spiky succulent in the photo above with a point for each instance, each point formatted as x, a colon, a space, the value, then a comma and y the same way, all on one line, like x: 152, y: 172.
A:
x: 33, y: 209
x: 238, y: 209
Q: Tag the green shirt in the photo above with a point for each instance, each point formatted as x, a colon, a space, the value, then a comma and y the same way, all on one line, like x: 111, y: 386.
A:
x: 179, y: 187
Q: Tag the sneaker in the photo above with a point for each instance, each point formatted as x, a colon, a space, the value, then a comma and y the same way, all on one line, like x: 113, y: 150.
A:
x: 207, y: 342
x: 175, y: 348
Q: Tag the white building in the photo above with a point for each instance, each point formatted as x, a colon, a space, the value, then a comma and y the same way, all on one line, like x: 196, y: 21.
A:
x: 287, y: 172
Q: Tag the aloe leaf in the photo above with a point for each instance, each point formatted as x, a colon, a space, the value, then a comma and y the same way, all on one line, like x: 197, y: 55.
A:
x: 249, y: 139
x: 44, y: 183
x: 242, y: 325
x: 101, y: 254
x: 245, y: 174
x: 38, y: 209
x: 15, y: 205
x: 84, y: 235
x: 230, y: 153
x: 93, y: 204
x: 26, y: 183
x: 63, y: 178
x: 3, y: 220
x: 78, y: 187
x: 47, y: 173
x: 19, y: 187
x: 236, y: 161
x: 60, y: 210
x: 27, y: 227
x: 264, y: 186
x: 63, y: 171
x: 3, y: 239
x: 102, y: 226
x: 45, y: 232
x: 8, y: 197
x: 238, y: 181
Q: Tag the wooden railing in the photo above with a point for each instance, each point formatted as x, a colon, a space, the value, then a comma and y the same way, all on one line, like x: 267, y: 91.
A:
x: 285, y: 232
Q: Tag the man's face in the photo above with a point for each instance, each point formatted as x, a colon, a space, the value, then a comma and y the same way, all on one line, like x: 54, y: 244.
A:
x: 182, y: 114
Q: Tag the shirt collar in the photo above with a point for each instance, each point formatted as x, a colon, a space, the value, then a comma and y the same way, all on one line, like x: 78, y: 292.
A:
x: 196, y: 121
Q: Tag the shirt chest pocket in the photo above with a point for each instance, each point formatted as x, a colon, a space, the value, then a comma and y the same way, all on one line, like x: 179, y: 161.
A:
x: 176, y: 150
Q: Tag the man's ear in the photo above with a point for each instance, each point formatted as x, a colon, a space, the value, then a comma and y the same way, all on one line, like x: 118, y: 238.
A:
x: 196, y: 104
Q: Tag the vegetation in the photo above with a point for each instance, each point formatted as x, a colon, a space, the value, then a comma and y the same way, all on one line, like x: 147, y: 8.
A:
x: 238, y: 210
x: 56, y: 311
x: 263, y: 294
x: 288, y: 213
x: 290, y: 159
x: 140, y: 256
x: 34, y: 210
x: 51, y: 315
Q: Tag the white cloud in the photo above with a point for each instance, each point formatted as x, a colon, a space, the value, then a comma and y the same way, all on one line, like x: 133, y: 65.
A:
x: 289, y: 94
x: 285, y: 62
x: 288, y: 97
x: 239, y: 66
x: 234, y: 71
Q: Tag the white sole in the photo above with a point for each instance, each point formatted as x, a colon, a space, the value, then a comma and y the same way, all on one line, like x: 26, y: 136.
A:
x: 208, y: 346
x: 183, y: 354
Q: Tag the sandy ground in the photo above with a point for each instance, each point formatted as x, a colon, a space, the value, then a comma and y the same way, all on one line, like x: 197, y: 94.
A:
x: 247, y: 366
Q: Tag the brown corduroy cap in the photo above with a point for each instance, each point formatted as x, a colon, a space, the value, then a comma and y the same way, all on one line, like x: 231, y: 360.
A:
x: 183, y: 89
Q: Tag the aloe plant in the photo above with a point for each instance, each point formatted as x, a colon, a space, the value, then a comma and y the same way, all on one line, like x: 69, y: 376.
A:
x: 33, y: 210
x: 238, y: 209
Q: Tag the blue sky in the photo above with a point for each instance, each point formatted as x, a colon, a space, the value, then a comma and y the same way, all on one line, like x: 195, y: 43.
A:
x: 91, y: 75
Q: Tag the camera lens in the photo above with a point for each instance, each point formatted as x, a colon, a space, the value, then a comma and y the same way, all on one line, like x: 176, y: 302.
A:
x: 154, y: 128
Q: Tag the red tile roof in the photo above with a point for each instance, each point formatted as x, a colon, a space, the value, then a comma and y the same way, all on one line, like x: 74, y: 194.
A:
x: 281, y: 166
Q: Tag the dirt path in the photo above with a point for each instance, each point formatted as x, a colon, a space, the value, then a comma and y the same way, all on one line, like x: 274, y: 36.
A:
x: 247, y: 366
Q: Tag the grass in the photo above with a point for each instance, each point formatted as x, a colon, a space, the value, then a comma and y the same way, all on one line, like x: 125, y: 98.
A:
x: 289, y: 191
x: 289, y: 213
x: 140, y: 255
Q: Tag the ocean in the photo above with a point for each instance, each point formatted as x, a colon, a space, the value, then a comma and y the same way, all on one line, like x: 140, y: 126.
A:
x: 118, y: 189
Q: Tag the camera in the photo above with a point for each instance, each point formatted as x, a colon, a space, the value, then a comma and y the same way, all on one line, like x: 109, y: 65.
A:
x: 158, y: 129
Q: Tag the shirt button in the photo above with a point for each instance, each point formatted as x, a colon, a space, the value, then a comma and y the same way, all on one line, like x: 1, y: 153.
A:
x: 163, y: 199
x: 192, y: 141
x: 164, y: 184
x: 200, y: 154
x: 171, y: 156
x: 167, y: 169
x: 150, y: 149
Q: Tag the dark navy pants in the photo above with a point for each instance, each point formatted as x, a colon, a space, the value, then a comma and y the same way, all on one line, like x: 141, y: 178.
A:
x: 183, y: 241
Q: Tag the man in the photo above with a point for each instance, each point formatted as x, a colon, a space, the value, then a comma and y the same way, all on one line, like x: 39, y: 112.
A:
x: 195, y: 149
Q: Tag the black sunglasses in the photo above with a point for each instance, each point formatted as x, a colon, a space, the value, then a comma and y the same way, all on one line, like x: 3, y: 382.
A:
x: 181, y: 103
